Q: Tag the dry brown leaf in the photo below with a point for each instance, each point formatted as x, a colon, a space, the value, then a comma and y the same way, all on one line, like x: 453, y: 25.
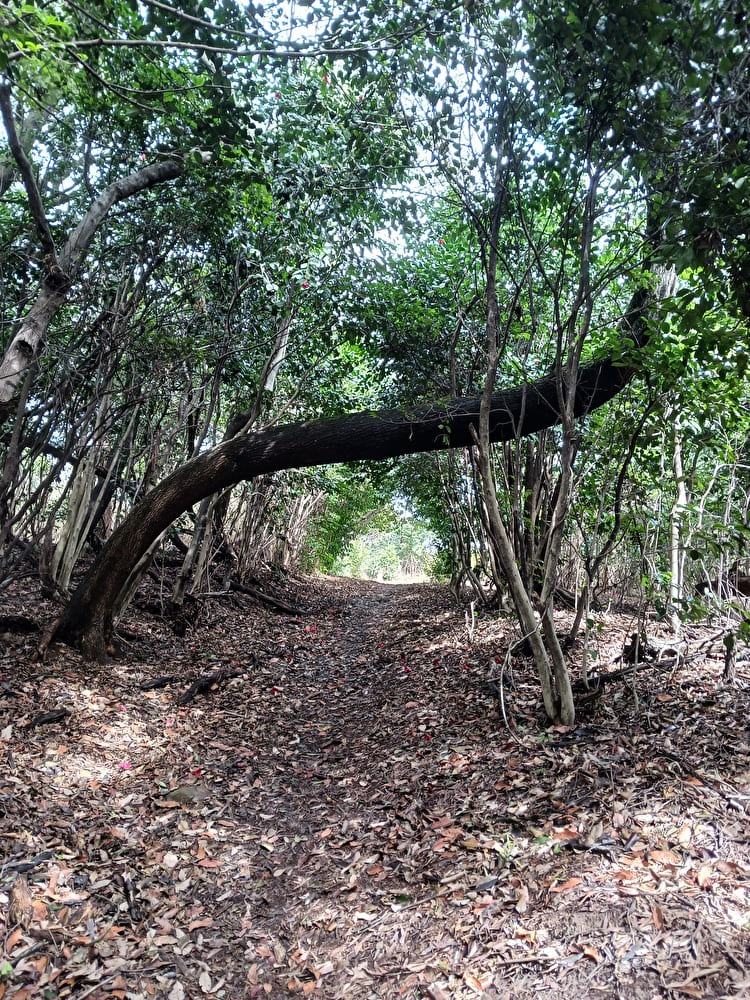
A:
x: 571, y: 883
x: 521, y: 893
x: 704, y: 876
x: 12, y: 940
x: 665, y: 857
x: 685, y: 835
x: 590, y: 952
x: 194, y: 925
x: 436, y: 993
x: 475, y: 983
x: 444, y: 821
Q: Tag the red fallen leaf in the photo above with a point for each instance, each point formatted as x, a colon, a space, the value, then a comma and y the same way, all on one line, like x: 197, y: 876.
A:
x: 657, y: 917
x: 664, y: 697
x: 209, y: 863
x: 448, y: 839
x: 112, y: 932
x: 525, y: 934
x: 564, y: 886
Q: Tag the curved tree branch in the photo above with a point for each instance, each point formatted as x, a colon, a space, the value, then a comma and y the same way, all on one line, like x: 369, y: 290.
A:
x: 87, y: 620
x: 29, y: 339
x: 36, y: 205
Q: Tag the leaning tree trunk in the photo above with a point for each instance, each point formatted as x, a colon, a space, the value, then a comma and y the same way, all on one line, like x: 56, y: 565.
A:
x: 87, y: 620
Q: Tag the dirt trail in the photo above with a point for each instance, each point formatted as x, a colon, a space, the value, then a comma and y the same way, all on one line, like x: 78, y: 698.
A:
x: 350, y: 816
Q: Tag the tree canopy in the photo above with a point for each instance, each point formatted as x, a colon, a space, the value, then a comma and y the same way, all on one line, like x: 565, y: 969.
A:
x: 240, y: 240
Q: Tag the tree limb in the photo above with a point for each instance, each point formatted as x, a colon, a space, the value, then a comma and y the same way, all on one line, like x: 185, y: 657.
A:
x: 36, y: 204
x: 29, y: 339
x: 87, y: 620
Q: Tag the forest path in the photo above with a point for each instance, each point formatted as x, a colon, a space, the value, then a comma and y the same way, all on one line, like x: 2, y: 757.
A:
x: 348, y: 815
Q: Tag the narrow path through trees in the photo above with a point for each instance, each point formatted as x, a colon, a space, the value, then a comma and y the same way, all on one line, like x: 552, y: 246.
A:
x: 349, y: 810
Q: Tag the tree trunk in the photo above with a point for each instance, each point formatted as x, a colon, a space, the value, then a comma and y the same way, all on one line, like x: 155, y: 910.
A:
x: 87, y: 620
x: 676, y: 531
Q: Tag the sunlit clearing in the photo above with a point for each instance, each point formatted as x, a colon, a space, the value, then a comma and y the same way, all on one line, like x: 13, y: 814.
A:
x: 402, y: 554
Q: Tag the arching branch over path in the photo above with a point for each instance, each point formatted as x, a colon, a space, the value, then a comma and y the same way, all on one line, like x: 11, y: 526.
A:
x: 87, y: 620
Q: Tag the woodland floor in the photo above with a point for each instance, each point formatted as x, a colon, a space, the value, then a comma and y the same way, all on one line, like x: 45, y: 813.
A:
x: 351, y: 816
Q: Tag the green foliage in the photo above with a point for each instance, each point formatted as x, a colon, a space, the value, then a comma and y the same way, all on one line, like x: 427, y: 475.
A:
x: 357, y: 499
x: 345, y: 191
x: 404, y: 550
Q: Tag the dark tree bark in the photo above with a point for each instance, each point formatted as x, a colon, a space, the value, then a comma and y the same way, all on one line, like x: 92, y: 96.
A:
x: 87, y: 620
